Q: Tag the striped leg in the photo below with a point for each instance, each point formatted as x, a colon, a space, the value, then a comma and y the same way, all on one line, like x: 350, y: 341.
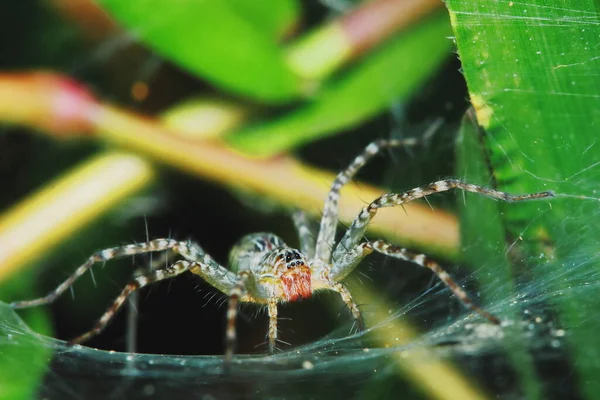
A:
x: 305, y: 233
x: 162, y: 261
x: 357, y: 230
x: 239, y: 289
x: 100, y: 257
x: 272, y: 324
x: 326, y: 238
x: 347, y: 298
x: 139, y: 282
x: 422, y: 260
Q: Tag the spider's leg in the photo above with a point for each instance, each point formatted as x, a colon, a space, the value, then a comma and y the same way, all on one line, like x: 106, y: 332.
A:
x: 237, y: 291
x: 207, y: 268
x: 100, y: 257
x: 326, y: 238
x: 422, y: 260
x: 346, y: 263
x: 347, y: 298
x: 305, y: 233
x: 162, y: 261
x: 357, y: 230
x: 272, y: 308
x: 139, y: 282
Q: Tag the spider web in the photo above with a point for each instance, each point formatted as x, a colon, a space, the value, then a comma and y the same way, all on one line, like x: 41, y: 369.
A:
x: 386, y: 359
x: 340, y: 364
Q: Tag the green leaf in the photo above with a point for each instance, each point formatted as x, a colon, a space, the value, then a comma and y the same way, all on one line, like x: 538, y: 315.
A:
x: 213, y: 40
x: 392, y: 72
x: 482, y: 242
x: 532, y: 72
x: 274, y: 18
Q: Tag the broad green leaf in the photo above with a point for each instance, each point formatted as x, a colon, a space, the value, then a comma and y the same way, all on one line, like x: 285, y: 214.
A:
x: 482, y: 243
x: 532, y: 72
x: 213, y: 40
x: 392, y: 72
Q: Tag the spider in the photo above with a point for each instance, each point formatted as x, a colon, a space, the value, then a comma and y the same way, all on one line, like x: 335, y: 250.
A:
x: 265, y: 270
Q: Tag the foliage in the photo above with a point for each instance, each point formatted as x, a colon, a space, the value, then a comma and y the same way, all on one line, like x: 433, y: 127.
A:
x: 532, y: 73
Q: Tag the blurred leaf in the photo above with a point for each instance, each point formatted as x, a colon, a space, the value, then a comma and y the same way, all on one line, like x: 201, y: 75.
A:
x: 392, y: 72
x: 275, y: 18
x: 532, y: 73
x: 213, y: 40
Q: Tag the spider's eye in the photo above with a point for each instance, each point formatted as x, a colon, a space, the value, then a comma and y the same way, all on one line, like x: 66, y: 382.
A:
x: 288, y: 257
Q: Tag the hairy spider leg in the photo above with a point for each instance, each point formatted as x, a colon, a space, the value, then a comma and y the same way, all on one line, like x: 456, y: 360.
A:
x: 424, y: 261
x: 345, y: 264
x: 235, y: 295
x: 197, y: 262
x: 272, y: 309
x: 347, y: 298
x: 139, y: 282
x: 306, y: 234
x: 107, y: 255
x: 208, y: 269
x: 352, y: 258
x: 356, y: 231
x: 162, y: 261
x: 326, y: 238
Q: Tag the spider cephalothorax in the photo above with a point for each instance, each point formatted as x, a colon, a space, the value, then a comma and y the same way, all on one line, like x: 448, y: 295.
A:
x: 283, y: 272
x: 264, y: 270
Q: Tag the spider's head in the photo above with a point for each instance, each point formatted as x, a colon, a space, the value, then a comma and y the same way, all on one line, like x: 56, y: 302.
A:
x: 295, y: 275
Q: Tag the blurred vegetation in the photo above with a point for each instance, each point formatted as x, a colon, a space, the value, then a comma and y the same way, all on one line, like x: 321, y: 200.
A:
x: 211, y: 120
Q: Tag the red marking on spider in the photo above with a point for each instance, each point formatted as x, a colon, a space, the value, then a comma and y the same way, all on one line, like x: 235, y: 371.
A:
x: 296, y: 283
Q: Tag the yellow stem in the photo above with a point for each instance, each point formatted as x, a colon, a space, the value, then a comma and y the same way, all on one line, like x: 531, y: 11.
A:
x: 66, y: 205
x: 283, y: 179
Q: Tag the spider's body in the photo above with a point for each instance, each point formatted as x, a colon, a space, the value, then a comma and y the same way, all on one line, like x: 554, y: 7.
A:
x: 264, y: 270
x: 283, y: 273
